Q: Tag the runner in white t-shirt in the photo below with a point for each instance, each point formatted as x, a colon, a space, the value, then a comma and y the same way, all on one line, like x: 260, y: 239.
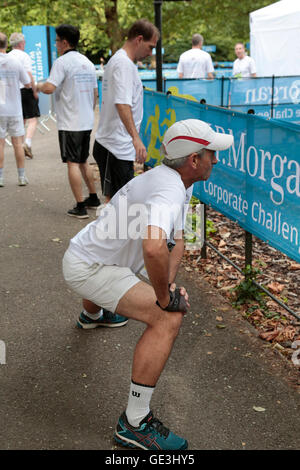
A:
x: 11, y: 119
x: 74, y: 84
x: 103, y: 260
x: 243, y: 66
x: 29, y: 96
x: 118, y: 143
x: 195, y: 63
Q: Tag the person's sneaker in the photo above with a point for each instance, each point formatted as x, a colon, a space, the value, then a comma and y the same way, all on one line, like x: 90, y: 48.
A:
x: 22, y: 181
x: 92, y: 203
x: 79, y: 212
x: 150, y: 435
x: 28, y: 151
x: 1, y: 181
x: 108, y: 319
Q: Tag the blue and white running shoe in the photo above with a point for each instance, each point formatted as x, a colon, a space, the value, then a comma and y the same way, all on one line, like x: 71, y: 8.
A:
x: 150, y: 435
x: 107, y: 319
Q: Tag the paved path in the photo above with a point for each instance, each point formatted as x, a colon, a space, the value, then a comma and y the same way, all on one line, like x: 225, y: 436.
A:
x: 64, y: 388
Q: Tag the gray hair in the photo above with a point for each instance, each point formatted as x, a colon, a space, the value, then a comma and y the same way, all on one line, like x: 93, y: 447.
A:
x: 174, y: 163
x: 179, y: 162
x: 197, y: 39
x: 3, y: 41
x: 16, y: 38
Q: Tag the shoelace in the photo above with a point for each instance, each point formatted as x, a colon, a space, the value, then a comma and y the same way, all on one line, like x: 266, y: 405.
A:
x: 158, y: 426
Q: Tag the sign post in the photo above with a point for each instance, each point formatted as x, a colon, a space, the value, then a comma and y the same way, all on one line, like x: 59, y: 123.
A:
x: 158, y: 22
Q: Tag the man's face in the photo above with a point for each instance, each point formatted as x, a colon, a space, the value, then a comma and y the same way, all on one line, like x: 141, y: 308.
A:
x: 60, y: 45
x: 205, y: 164
x: 239, y: 51
x: 144, y: 48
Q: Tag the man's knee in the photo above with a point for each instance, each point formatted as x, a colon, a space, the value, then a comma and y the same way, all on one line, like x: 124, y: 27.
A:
x: 170, y: 322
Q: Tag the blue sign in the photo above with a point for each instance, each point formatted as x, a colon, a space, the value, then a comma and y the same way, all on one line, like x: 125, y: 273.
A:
x: 256, y: 182
x: 40, y: 45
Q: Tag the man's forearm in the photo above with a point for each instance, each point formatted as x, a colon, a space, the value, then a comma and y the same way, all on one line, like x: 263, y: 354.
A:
x: 156, y: 258
x: 46, y: 87
x: 125, y: 114
x: 175, y: 259
x: 126, y: 117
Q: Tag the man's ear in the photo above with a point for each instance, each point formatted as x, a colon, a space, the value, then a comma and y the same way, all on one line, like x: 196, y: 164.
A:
x: 193, y: 159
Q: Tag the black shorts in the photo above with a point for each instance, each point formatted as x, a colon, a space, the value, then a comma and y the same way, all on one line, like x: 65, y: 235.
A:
x: 30, y: 105
x: 74, y: 146
x: 114, y: 173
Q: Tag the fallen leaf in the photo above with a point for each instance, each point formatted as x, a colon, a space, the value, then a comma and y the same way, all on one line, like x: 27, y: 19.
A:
x: 259, y: 408
x: 294, y: 266
x: 219, y: 318
x: 275, y: 287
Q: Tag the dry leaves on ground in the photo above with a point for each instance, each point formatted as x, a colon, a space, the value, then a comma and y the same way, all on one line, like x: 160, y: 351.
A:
x: 278, y: 273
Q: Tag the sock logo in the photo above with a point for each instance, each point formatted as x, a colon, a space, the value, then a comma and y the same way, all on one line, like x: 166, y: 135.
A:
x: 135, y: 394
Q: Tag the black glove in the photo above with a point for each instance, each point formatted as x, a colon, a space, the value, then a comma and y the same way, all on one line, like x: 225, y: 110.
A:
x: 177, y: 302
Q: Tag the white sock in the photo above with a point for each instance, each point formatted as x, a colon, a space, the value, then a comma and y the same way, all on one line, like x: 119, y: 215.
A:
x: 28, y: 142
x: 94, y: 316
x: 138, y: 403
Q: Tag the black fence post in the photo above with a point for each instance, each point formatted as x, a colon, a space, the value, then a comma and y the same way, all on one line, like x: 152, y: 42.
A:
x: 203, y: 249
x: 272, y: 99
x: 157, y: 12
x: 222, y: 91
x: 248, y: 249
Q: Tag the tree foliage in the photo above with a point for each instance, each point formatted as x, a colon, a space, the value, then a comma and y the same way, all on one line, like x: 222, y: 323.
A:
x: 103, y: 23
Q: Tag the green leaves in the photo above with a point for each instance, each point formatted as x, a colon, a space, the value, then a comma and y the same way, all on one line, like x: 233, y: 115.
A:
x: 103, y: 23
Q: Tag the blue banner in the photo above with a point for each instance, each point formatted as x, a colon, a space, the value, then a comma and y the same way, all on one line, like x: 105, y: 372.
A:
x: 256, y: 182
x: 40, y: 45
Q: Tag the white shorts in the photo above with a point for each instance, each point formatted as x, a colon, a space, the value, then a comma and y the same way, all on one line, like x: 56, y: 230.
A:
x: 104, y: 285
x: 11, y: 125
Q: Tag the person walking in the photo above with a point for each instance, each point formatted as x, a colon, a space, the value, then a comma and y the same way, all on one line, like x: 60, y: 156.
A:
x: 195, y: 63
x: 102, y: 262
x: 29, y: 96
x: 11, y: 119
x: 117, y: 141
x: 74, y: 84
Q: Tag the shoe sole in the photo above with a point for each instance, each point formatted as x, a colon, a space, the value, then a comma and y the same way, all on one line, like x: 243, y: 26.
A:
x: 133, y: 444
x: 92, y: 207
x: 128, y: 442
x: 79, y: 216
x: 89, y: 326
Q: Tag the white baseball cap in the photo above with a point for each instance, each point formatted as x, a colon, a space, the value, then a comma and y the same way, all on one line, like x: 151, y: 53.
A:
x: 192, y: 135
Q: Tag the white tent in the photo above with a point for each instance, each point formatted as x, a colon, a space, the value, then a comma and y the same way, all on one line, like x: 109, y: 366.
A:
x: 275, y: 39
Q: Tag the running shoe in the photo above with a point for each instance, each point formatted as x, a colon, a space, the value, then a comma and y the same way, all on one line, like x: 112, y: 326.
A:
x: 150, y: 435
x: 28, y: 151
x: 92, y: 203
x: 79, y: 212
x: 22, y: 181
x: 107, y: 319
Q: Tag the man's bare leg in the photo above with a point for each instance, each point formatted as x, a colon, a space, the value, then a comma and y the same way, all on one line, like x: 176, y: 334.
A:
x: 75, y: 180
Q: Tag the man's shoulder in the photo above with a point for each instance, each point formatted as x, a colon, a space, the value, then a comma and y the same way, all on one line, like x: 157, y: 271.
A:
x: 12, y: 61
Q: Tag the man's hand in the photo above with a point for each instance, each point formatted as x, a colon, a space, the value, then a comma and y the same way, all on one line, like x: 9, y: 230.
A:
x: 140, y: 150
x: 178, y: 301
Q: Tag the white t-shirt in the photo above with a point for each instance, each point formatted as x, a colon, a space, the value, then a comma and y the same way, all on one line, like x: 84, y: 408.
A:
x: 157, y: 197
x: 121, y: 84
x: 11, y: 74
x: 24, y: 60
x: 195, y: 63
x: 75, y: 79
x: 244, y: 67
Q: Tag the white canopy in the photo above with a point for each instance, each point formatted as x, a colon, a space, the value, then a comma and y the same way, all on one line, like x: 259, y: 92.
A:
x: 275, y: 39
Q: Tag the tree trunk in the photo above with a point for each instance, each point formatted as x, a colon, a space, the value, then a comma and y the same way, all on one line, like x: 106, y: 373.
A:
x: 113, y: 30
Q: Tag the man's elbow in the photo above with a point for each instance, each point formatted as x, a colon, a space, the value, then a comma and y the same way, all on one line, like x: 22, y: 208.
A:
x: 153, y: 249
